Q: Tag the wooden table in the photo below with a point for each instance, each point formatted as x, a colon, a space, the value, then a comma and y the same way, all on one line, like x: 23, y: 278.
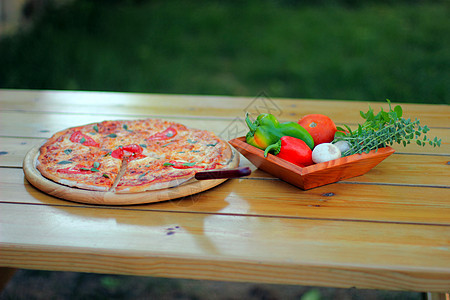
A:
x: 388, y: 229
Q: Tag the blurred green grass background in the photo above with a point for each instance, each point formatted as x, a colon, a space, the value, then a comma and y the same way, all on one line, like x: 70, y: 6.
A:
x: 355, y: 50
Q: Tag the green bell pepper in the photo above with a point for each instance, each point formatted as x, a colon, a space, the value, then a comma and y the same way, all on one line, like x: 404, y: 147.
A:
x: 266, y: 130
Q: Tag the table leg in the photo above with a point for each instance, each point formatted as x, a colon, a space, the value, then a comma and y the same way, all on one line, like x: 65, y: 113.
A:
x: 438, y: 296
x: 5, y: 276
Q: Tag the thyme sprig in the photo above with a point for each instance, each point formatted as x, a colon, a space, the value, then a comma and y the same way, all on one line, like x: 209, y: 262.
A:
x: 384, y: 129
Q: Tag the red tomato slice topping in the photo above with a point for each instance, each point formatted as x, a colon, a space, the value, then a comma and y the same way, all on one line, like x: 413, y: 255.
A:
x: 164, y: 135
x: 118, y: 153
x: 78, y: 169
x: 78, y: 137
x: 132, y: 151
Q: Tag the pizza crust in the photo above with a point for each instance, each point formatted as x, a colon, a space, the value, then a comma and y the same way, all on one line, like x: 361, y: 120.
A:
x: 83, y: 186
x: 155, y: 186
x: 219, y: 157
x: 68, y: 182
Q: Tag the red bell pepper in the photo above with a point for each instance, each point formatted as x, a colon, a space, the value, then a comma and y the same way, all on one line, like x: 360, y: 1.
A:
x: 293, y: 150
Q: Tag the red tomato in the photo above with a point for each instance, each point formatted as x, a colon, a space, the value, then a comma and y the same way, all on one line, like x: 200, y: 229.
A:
x: 321, y: 128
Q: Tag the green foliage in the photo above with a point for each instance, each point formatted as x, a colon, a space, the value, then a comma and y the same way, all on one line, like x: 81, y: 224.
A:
x: 313, y: 294
x: 111, y: 283
x: 303, y: 49
x: 385, y: 129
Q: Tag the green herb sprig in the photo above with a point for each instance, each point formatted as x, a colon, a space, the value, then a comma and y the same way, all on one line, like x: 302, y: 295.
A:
x: 384, y: 129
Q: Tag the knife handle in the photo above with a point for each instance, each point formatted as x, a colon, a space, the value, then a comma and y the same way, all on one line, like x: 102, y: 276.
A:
x: 220, y: 174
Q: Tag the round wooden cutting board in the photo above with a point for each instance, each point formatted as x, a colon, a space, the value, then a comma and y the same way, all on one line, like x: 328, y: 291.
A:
x: 110, y: 198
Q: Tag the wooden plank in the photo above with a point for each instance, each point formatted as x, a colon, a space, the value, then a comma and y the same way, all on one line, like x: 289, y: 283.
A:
x: 13, y: 150
x: 226, y: 247
x: 16, y: 124
x: 409, y: 169
x: 438, y: 296
x: 207, y: 106
x: 365, y: 232
x: 413, y: 148
x: 377, y: 203
x: 396, y: 169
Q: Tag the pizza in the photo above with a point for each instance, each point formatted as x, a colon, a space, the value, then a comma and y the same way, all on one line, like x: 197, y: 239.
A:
x: 130, y: 156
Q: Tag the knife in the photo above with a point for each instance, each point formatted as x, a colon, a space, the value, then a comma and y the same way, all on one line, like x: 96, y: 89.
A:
x: 222, y: 174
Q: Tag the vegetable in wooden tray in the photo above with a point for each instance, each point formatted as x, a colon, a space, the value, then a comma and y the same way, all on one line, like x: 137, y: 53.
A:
x: 384, y: 129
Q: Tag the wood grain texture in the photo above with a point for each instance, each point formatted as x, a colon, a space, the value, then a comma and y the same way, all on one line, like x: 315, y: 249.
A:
x: 238, y: 248
x: 17, y: 124
x: 38, y: 125
x: 123, y: 104
x: 438, y: 296
x: 274, y: 198
x: 13, y: 150
x: 386, y: 229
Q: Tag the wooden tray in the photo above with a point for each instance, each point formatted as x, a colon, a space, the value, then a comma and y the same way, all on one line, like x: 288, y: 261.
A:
x: 110, y: 198
x: 314, y: 175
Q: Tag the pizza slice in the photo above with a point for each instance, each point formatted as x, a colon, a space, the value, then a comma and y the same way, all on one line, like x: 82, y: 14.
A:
x: 174, y: 163
x: 126, y: 132
x: 153, y: 174
x: 73, y: 158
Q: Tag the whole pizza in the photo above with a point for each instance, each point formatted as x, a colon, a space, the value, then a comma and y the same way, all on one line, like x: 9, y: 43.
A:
x: 129, y: 156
